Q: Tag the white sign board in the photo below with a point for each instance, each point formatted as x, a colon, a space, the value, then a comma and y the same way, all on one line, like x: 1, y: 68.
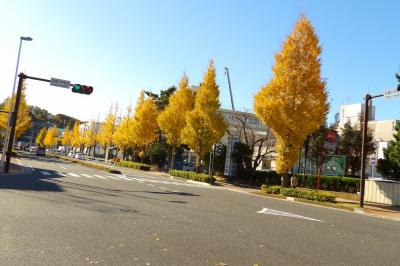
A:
x: 60, y: 83
x: 391, y: 93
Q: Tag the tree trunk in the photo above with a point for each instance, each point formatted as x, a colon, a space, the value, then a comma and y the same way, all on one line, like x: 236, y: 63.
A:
x: 197, y: 164
x: 285, y: 182
x: 173, y: 158
x: 306, y: 154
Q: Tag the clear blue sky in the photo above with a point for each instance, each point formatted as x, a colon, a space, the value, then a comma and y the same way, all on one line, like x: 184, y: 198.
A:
x: 121, y: 47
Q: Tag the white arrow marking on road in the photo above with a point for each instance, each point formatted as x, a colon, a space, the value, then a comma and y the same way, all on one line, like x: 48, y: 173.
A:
x: 286, y: 214
x: 45, y: 173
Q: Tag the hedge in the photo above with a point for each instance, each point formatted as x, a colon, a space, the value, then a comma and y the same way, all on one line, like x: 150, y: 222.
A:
x: 308, y: 194
x: 192, y: 176
x: 135, y: 165
x: 271, y: 189
x: 333, y: 183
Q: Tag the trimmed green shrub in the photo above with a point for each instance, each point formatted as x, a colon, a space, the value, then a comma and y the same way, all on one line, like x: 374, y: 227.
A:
x: 134, y: 165
x: 308, y: 194
x: 192, y: 176
x: 333, y: 183
x: 271, y: 189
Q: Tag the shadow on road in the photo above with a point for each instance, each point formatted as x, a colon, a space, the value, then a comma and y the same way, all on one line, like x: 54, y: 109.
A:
x: 34, y: 182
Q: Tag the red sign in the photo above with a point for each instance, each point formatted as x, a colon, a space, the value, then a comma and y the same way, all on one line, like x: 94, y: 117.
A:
x: 331, y: 135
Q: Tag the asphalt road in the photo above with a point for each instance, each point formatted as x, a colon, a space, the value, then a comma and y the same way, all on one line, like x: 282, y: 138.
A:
x: 61, y: 213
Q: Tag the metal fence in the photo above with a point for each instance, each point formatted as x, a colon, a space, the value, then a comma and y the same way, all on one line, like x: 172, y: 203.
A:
x: 382, y: 191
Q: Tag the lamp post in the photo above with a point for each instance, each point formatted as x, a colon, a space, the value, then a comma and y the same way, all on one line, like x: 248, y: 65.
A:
x: 7, y: 136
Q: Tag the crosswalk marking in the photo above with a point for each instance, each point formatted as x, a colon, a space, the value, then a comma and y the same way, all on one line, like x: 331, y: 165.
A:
x: 99, y: 176
x: 113, y: 177
x: 86, y: 175
x: 72, y: 174
x: 45, y: 173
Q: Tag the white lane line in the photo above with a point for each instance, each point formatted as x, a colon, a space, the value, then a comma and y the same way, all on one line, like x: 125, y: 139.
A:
x: 286, y: 214
x: 62, y: 167
x: 113, y: 177
x: 99, y: 176
x: 45, y: 173
x: 151, y: 185
x: 86, y: 175
x: 61, y: 174
x: 72, y: 174
x: 162, y: 187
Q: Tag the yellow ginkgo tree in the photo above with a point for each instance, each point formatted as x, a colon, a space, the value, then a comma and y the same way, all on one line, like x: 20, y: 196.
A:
x: 294, y: 103
x: 23, y: 120
x: 106, y: 135
x: 144, y: 129
x: 39, y: 141
x: 123, y: 136
x: 51, y: 138
x: 205, y: 126
x: 173, y: 119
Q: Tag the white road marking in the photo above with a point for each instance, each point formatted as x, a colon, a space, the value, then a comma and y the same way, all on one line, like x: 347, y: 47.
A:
x: 151, y: 185
x: 86, y: 175
x: 61, y: 174
x: 113, y: 177
x: 45, y: 173
x: 162, y: 187
x: 62, y: 167
x: 99, y: 176
x: 286, y: 214
x: 72, y: 174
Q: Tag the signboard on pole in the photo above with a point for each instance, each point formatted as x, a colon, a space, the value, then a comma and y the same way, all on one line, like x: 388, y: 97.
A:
x: 391, y: 93
x: 60, y: 83
x: 372, y: 161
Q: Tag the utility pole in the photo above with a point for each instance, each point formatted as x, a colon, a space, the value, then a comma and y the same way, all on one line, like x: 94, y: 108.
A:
x: 230, y: 88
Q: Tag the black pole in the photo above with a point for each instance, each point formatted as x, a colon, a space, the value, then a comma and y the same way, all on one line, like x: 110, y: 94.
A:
x: 14, y: 123
x: 364, y: 149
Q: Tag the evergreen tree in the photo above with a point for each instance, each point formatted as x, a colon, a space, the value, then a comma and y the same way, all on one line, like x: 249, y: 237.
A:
x: 390, y: 166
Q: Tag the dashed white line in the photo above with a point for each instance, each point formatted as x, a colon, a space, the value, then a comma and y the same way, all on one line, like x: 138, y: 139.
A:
x: 86, y: 175
x: 99, y: 176
x: 113, y: 177
x: 61, y: 174
x: 72, y: 174
x: 162, y: 187
x: 62, y: 167
x: 151, y: 185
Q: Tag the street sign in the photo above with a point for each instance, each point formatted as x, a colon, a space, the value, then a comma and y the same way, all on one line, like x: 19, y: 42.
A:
x: 60, y: 83
x: 372, y: 161
x: 391, y: 93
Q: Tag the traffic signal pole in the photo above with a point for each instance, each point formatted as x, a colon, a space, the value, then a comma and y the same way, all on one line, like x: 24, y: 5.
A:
x: 83, y: 89
x: 14, y: 123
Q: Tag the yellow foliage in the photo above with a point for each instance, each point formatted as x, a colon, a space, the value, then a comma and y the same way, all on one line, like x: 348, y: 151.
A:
x: 40, y: 137
x: 107, y: 131
x: 294, y: 103
x: 144, y: 130
x: 51, y: 138
x: 204, y: 124
x: 77, y: 137
x: 24, y: 119
x: 123, y: 135
x: 173, y: 119
x: 66, y: 139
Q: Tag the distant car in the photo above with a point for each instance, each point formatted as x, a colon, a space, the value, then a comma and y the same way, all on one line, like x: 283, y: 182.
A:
x: 33, y: 149
x: 41, y: 152
x: 79, y: 156
x: 71, y: 154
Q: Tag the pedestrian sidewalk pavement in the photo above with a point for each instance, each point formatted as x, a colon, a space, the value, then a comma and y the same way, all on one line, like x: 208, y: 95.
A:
x: 15, y: 167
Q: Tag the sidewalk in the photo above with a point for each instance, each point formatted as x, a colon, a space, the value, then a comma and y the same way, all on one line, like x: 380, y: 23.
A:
x: 15, y: 168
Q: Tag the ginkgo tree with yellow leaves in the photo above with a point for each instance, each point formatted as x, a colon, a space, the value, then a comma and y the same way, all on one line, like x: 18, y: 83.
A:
x: 173, y: 119
x: 106, y: 135
x: 123, y: 136
x: 51, y: 138
x: 39, y: 141
x: 23, y: 120
x: 294, y: 103
x: 66, y: 139
x: 144, y: 130
x: 205, y: 126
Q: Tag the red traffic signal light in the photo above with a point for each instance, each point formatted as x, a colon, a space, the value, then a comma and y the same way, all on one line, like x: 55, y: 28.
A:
x: 82, y: 89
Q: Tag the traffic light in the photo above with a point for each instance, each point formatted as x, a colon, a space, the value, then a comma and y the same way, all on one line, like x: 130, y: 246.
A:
x: 82, y: 89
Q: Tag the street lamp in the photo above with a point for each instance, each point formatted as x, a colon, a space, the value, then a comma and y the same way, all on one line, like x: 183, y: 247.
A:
x: 7, y: 136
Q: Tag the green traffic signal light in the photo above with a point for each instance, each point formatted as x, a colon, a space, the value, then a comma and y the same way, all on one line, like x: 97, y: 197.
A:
x: 76, y: 88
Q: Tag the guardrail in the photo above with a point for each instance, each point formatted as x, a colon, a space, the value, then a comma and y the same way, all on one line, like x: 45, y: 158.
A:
x: 86, y: 158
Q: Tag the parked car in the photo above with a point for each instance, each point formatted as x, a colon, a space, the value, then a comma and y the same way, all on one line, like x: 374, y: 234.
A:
x: 79, y: 156
x: 33, y: 149
x: 41, y: 152
x: 71, y: 154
